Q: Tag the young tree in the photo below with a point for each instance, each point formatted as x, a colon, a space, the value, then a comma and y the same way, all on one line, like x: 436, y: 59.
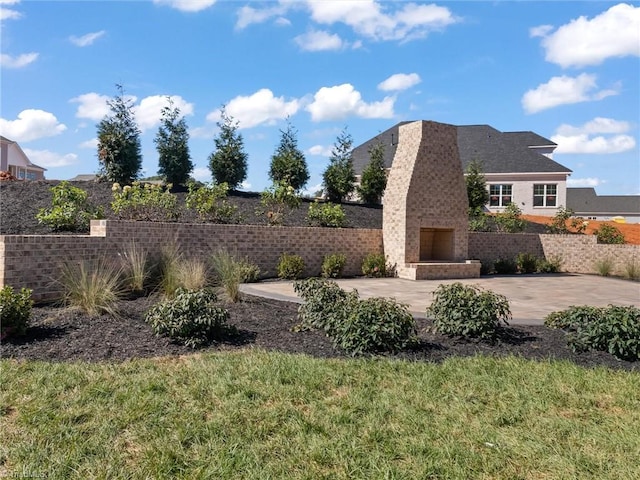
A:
x: 476, y: 188
x: 172, y: 146
x: 339, y: 177
x: 119, y: 142
x: 288, y: 164
x: 228, y: 163
x: 374, y: 176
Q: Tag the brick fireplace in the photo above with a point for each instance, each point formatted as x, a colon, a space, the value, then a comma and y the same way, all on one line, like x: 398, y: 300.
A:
x: 425, y: 220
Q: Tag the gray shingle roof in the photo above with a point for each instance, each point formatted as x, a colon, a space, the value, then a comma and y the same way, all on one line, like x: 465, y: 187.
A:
x: 585, y: 201
x: 498, y: 152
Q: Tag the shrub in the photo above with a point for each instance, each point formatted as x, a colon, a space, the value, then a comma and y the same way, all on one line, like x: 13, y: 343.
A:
x: 95, y: 287
x: 468, y: 311
x: 527, y: 263
x: 550, y: 265
x: 375, y: 325
x: 230, y: 272
x: 135, y: 266
x: 147, y: 202
x: 559, y: 223
x: 505, y: 266
x: 70, y: 211
x: 510, y: 220
x: 326, y: 215
x: 609, y: 234
x: 277, y: 202
x: 325, y: 305
x: 210, y: 202
x: 290, y: 266
x: 374, y: 265
x: 15, y: 311
x: 191, y: 317
x: 604, y: 266
x: 479, y: 222
x: 333, y: 265
x: 632, y: 270
x: 613, y: 329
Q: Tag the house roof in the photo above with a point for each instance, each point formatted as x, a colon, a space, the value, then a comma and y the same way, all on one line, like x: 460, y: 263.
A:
x: 498, y: 152
x: 584, y: 201
x: 29, y: 162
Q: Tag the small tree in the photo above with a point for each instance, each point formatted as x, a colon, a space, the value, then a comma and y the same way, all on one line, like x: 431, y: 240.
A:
x: 476, y: 188
x: 119, y: 142
x: 510, y: 221
x: 374, y: 176
x: 339, y: 177
x: 288, y: 164
x: 172, y: 146
x: 228, y: 163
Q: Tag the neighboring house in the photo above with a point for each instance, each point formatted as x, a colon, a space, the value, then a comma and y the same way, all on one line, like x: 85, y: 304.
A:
x: 16, y: 162
x: 518, y: 166
x: 585, y: 202
x: 84, y: 177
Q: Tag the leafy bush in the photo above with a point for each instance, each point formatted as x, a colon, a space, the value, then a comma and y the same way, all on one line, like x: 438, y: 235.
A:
x: 191, y: 317
x: 290, y: 266
x: 468, y: 311
x: 95, y: 287
x: 326, y: 215
x: 559, y: 223
x: 70, y: 211
x: 375, y: 325
x: 374, y: 265
x: 210, y: 202
x: 505, y: 266
x: 230, y: 272
x: 550, y: 265
x: 527, y: 263
x: 147, y: 202
x: 277, y: 202
x: 325, y: 305
x: 479, y: 222
x: 333, y: 265
x: 15, y: 311
x: 510, y: 220
x: 609, y: 234
x: 604, y: 266
x: 613, y: 329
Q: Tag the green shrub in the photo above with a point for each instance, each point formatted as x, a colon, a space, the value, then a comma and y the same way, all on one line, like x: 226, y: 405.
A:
x: 550, y: 265
x: 326, y: 215
x: 191, y: 317
x: 290, y: 266
x: 333, y: 265
x: 613, y: 329
x: 147, y: 202
x: 527, y: 263
x: 468, y: 311
x: 70, y: 211
x: 230, y: 272
x: 210, y: 202
x: 277, y: 202
x: 510, y: 220
x: 479, y: 222
x: 374, y: 265
x: 15, y: 311
x: 325, y: 305
x: 609, y: 234
x: 375, y: 325
x: 505, y: 266
x: 604, y: 266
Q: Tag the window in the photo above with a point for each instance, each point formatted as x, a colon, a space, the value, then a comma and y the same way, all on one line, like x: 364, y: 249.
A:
x: 545, y: 195
x: 499, y: 195
x: 31, y: 176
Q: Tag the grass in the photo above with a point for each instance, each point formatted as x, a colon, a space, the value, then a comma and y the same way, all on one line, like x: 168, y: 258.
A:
x: 632, y: 270
x: 135, y: 264
x: 192, y: 273
x: 604, y: 266
x: 228, y: 272
x: 255, y: 414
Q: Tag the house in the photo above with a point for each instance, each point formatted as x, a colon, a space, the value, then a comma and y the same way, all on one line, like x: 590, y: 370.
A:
x: 16, y: 162
x: 585, y: 202
x: 518, y: 166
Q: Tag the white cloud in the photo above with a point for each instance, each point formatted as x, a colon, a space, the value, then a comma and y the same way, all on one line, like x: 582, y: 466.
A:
x: 260, y: 107
x: 8, y: 13
x: 583, y: 41
x: 92, y: 144
x: 399, y: 81
x: 47, y: 159
x: 584, y: 182
x: 318, y: 40
x: 597, y: 125
x: 149, y: 112
x: 93, y: 106
x: 30, y: 125
x: 342, y: 101
x: 246, y: 186
x: 7, y: 61
x: 87, y: 39
x: 320, y: 150
x: 540, y: 31
x: 249, y: 15
x: 562, y: 91
x: 201, y: 174
x: 186, y: 5
x: 312, y: 190
x: 584, y: 143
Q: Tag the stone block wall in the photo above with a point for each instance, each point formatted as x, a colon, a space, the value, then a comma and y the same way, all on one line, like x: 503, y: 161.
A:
x: 489, y: 247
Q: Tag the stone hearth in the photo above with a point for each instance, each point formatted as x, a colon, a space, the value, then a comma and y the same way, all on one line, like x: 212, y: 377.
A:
x: 425, y: 221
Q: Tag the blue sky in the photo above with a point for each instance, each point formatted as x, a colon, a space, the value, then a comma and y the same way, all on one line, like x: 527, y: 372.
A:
x: 568, y: 71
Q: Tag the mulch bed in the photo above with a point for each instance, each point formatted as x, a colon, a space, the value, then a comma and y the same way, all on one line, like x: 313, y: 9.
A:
x: 63, y: 334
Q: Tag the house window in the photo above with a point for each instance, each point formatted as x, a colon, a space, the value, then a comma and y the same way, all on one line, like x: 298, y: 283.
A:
x: 31, y: 176
x: 500, y: 195
x: 545, y: 195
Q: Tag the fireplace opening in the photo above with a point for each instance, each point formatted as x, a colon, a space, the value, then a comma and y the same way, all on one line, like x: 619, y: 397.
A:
x: 436, y: 244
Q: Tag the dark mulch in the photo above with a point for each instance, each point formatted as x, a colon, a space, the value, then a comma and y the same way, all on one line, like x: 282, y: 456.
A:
x: 66, y: 334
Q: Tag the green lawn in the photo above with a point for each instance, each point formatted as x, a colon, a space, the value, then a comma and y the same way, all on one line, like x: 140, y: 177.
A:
x: 260, y: 415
